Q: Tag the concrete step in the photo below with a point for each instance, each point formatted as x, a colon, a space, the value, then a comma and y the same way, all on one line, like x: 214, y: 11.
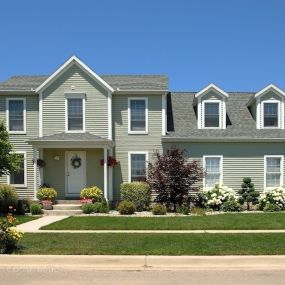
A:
x: 67, y: 202
x: 67, y: 207
x: 62, y: 212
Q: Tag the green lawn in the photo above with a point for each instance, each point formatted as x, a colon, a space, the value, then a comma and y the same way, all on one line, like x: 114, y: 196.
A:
x: 22, y: 219
x: 154, y: 244
x: 251, y: 221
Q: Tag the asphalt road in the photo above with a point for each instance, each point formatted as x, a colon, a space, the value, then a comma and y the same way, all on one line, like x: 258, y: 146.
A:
x: 42, y: 275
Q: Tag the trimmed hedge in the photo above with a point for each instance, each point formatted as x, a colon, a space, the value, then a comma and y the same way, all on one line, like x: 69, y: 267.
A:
x: 138, y: 193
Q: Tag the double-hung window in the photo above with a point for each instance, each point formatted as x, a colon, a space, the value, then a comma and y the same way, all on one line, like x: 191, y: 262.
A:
x: 211, y: 114
x: 138, y: 115
x: 75, y: 121
x: 213, y: 168
x: 270, y: 114
x: 19, y: 178
x: 273, y: 171
x: 16, y: 115
x: 137, y: 166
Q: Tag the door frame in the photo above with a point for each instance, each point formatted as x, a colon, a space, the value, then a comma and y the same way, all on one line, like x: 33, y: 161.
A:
x: 66, y: 172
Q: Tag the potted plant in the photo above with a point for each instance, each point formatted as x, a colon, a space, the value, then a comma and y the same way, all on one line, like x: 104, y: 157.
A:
x: 46, y: 196
x: 111, y: 161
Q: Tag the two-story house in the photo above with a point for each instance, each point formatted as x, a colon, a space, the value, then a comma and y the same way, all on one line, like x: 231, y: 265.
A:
x: 74, y: 119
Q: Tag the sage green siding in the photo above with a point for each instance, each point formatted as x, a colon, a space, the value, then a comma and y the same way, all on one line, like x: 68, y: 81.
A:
x: 74, y: 80
x: 239, y: 159
x: 54, y: 171
x: 131, y: 142
x: 18, y: 140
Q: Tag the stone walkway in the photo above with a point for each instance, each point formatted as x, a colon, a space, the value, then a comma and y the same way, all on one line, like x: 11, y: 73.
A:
x: 35, y: 225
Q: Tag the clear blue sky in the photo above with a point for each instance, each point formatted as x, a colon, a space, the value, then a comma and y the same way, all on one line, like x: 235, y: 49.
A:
x: 237, y: 44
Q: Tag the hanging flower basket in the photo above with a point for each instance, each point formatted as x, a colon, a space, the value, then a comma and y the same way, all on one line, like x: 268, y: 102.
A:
x: 41, y: 163
x: 111, y: 161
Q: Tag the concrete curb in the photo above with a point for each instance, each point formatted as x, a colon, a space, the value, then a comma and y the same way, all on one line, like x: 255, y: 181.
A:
x: 141, y: 262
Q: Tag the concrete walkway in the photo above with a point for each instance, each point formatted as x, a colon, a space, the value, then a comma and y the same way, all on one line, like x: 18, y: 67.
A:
x: 143, y: 262
x: 35, y: 225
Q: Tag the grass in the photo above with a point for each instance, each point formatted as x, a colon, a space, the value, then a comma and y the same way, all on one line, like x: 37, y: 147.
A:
x: 252, y: 221
x: 154, y: 244
x: 22, y: 219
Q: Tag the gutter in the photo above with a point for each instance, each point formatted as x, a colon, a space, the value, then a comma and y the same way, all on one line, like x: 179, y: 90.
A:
x: 17, y: 92
x: 140, y: 91
x: 231, y: 140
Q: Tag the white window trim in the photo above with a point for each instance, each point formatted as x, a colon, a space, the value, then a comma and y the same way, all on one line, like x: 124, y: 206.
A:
x: 25, y: 172
x: 130, y: 162
x: 221, y: 114
x: 75, y: 96
x: 221, y: 168
x: 146, y: 116
x: 279, y: 113
x: 24, y: 114
x: 281, y: 169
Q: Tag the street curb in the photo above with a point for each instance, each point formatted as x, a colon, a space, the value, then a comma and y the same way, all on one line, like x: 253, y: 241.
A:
x: 140, y: 262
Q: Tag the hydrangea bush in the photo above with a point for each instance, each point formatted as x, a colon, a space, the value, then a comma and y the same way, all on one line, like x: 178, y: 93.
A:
x: 273, y: 197
x: 217, y: 196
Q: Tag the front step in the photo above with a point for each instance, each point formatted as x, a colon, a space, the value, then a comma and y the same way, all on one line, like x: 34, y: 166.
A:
x: 68, y: 202
x: 62, y: 212
x: 67, y: 207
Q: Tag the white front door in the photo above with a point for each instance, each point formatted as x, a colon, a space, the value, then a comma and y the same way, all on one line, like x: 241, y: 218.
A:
x: 75, y: 172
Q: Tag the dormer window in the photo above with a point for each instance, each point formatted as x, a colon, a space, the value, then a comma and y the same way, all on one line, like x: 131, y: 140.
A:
x: 211, y: 114
x: 270, y: 114
x: 211, y: 111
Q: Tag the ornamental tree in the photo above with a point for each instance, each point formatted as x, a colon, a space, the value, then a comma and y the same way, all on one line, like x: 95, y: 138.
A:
x: 9, y: 160
x: 248, y: 193
x: 172, y: 177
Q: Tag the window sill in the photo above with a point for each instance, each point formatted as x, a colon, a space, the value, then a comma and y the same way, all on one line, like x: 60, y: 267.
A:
x: 19, y: 185
x: 17, y: 132
x: 138, y: 133
x: 74, y: 132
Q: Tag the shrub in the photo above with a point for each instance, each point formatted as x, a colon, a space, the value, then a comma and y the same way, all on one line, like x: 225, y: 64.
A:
x: 217, y: 196
x: 138, y: 193
x: 184, y: 209
x: 172, y: 177
x: 88, y: 208
x: 274, y: 197
x: 9, y: 235
x: 36, y: 209
x: 23, y: 206
x: 198, y: 211
x: 231, y: 206
x: 8, y: 198
x: 248, y: 193
x: 271, y: 208
x: 126, y: 208
x: 93, y: 192
x: 101, y: 207
x: 46, y: 194
x: 159, y: 209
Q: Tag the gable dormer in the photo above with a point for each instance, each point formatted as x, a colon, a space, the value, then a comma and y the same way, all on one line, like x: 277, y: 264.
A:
x: 270, y: 108
x: 211, y: 111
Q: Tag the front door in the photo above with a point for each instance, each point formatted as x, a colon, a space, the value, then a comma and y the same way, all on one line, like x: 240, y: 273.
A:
x: 75, y: 172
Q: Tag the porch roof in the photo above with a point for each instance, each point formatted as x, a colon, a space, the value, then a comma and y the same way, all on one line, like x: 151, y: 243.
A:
x: 71, y: 140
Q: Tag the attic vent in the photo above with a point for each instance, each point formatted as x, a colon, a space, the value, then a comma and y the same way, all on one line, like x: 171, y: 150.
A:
x: 72, y: 87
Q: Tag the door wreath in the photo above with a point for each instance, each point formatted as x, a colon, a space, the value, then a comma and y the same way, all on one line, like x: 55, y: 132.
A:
x: 76, y: 161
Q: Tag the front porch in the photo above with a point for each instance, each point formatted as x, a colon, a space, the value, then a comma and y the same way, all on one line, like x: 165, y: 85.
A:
x: 71, y: 162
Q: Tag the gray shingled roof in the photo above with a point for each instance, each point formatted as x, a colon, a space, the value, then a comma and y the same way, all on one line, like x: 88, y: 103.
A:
x: 123, y: 82
x: 64, y: 137
x: 182, y: 119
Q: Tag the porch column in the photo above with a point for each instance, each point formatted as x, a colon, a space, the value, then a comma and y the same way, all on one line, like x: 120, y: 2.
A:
x: 106, y: 173
x: 110, y: 178
x: 41, y: 174
x: 35, y: 157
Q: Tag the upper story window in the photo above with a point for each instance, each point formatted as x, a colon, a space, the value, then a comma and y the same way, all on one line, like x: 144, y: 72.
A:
x: 137, y: 166
x: 75, y: 121
x: 19, y: 178
x: 138, y: 116
x: 211, y: 107
x: 273, y: 171
x: 271, y: 114
x: 16, y: 115
x: 213, y: 168
x: 211, y: 114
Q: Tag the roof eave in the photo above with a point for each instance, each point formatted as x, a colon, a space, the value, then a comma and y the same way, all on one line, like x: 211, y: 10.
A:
x: 222, y: 139
x: 140, y: 91
x: 17, y: 92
